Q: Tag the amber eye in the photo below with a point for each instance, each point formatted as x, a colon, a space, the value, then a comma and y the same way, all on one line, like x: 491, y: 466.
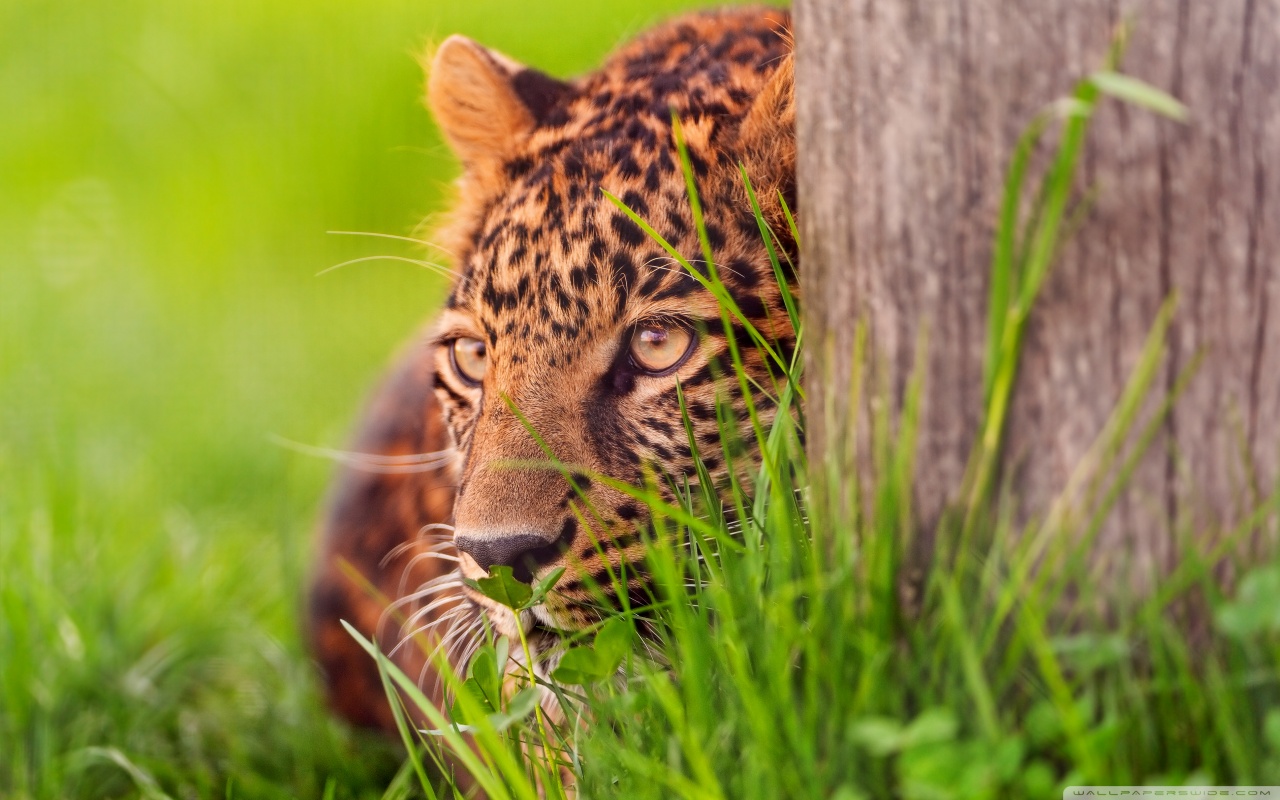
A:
x: 470, y: 359
x: 659, y: 347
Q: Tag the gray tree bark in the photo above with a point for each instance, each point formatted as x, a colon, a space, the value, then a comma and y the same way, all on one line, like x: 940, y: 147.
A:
x: 907, y: 113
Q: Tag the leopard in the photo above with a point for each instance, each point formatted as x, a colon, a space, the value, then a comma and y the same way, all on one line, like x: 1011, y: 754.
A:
x: 574, y: 355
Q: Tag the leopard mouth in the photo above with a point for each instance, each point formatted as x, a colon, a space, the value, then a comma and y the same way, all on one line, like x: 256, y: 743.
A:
x: 535, y: 624
x: 537, y: 632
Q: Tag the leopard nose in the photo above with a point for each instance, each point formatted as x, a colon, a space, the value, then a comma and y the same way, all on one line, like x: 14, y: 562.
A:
x: 523, y: 552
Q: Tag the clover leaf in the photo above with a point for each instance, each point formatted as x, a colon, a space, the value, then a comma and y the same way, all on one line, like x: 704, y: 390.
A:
x: 504, y: 588
x: 585, y: 665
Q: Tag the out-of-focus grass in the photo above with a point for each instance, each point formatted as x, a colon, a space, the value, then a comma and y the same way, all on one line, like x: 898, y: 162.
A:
x: 167, y: 175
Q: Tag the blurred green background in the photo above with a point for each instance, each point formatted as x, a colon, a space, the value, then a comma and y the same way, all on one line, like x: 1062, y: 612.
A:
x: 168, y: 172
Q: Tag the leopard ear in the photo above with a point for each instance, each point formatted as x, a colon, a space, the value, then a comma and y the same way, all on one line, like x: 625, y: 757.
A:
x: 767, y: 141
x: 485, y: 102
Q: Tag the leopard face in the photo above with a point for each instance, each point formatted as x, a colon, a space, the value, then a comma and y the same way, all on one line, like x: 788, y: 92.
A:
x: 570, y: 334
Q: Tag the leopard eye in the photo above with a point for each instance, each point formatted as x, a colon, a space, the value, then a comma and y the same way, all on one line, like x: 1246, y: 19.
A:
x: 470, y: 359
x: 660, y: 347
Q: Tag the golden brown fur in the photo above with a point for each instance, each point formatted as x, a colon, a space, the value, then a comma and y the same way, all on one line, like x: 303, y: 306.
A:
x: 553, y: 279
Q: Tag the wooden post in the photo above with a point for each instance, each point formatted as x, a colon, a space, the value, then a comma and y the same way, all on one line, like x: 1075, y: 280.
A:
x: 907, y: 113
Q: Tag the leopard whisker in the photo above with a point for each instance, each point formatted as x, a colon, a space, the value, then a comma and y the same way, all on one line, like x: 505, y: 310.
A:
x: 439, y: 269
x: 449, y: 616
x: 451, y: 636
x: 401, y: 604
x: 464, y: 654
x: 438, y: 552
x: 449, y: 580
x: 461, y: 619
x: 394, y: 609
x: 465, y: 649
x: 443, y: 539
x: 376, y: 235
x: 432, y: 587
x: 370, y: 462
x: 396, y: 552
x: 459, y: 663
x: 430, y: 553
x: 425, y: 611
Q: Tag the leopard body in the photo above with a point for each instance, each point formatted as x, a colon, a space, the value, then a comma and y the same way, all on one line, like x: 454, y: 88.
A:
x: 552, y: 281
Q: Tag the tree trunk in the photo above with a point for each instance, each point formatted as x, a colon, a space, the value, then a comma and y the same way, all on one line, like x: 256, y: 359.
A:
x: 908, y: 112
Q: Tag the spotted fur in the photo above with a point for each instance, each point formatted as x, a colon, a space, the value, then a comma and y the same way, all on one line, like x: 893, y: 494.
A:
x: 553, y: 279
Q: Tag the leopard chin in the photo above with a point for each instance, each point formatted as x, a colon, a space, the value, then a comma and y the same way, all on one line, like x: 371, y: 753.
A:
x: 540, y: 620
x: 537, y: 628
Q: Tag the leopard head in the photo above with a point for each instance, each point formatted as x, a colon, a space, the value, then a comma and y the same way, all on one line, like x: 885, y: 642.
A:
x: 570, y: 334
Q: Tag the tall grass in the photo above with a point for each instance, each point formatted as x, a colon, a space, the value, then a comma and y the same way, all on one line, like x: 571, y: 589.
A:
x: 778, y: 659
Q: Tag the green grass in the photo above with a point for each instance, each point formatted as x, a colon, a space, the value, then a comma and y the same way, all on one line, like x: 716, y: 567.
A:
x: 785, y: 663
x: 167, y: 175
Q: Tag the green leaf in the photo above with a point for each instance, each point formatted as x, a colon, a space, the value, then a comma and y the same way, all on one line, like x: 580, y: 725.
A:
x: 1088, y: 652
x: 612, y: 644
x: 1254, y: 609
x: 543, y: 586
x: 580, y: 666
x: 1007, y: 758
x: 472, y: 688
x: 881, y: 736
x: 1039, y: 779
x: 501, y: 587
x: 1139, y: 93
x: 484, y: 671
x: 519, y: 707
x: 1271, y: 729
x: 1042, y: 723
x: 585, y: 665
x: 501, y: 653
x: 932, y: 726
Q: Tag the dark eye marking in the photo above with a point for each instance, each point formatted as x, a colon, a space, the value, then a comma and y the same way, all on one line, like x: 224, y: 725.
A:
x: 443, y: 385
